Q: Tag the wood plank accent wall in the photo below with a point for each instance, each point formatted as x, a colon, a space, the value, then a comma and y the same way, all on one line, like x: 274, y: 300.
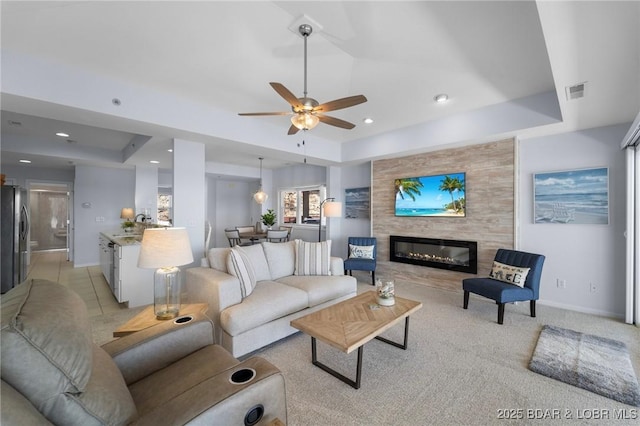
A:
x: 490, y: 199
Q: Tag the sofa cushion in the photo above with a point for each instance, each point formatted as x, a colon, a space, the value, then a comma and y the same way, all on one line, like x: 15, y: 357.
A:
x: 509, y: 274
x: 217, y: 258
x: 360, y: 252
x: 240, y: 267
x: 281, y: 258
x: 321, y: 289
x: 269, y: 301
x: 313, y: 258
x: 48, y: 356
x: 255, y: 255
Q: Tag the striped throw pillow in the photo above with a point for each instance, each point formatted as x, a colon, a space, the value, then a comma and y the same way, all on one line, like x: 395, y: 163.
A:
x: 313, y: 258
x: 239, y: 266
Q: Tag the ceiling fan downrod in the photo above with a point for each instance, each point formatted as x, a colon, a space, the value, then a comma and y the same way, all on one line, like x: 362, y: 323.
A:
x: 305, y: 30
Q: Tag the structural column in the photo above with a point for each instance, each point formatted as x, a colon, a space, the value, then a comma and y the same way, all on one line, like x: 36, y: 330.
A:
x: 189, y: 194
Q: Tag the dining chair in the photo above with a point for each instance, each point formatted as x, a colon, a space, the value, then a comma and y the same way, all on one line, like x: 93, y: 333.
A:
x: 234, y: 238
x: 247, y: 230
x: 289, y: 229
x: 280, y: 236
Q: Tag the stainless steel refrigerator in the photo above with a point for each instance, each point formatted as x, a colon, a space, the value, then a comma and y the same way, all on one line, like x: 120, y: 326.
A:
x: 14, y: 216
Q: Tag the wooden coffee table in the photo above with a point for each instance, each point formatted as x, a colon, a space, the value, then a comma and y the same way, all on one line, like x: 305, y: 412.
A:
x: 350, y: 324
x: 147, y: 318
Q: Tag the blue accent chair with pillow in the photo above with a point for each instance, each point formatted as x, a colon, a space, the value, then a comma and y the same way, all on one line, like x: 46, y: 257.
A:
x: 361, y: 256
x: 507, y: 282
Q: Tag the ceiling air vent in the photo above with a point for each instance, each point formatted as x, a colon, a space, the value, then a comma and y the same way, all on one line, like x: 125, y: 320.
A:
x: 576, y: 91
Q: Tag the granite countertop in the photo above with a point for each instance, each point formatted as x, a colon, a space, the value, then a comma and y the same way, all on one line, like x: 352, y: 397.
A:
x: 122, y: 238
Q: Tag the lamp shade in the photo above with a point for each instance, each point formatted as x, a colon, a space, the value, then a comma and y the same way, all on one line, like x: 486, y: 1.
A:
x: 127, y: 213
x: 164, y: 247
x: 260, y: 197
x: 332, y: 209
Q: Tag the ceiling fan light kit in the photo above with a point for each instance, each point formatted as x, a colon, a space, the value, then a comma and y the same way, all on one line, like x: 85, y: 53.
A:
x: 306, y: 111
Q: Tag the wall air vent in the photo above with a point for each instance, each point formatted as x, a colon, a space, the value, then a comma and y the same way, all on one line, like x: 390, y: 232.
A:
x: 576, y: 91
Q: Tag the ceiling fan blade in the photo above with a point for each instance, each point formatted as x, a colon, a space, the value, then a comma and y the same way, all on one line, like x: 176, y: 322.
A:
x: 336, y: 122
x: 292, y: 130
x: 286, y: 94
x: 264, y: 113
x: 341, y: 103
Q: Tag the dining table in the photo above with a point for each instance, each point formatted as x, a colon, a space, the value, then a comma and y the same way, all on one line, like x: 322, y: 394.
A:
x: 254, y: 237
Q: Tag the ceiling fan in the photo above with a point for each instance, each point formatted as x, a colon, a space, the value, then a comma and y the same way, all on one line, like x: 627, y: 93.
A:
x: 307, y: 112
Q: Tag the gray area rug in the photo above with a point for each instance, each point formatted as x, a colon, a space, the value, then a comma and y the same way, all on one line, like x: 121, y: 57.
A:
x: 594, y: 363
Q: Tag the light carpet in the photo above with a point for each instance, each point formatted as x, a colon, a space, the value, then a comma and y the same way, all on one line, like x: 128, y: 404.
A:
x: 461, y: 367
x: 594, y: 363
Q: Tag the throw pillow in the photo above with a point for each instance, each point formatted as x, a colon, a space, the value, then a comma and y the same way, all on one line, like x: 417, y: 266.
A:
x: 509, y: 274
x: 360, y: 252
x: 240, y: 267
x: 313, y: 258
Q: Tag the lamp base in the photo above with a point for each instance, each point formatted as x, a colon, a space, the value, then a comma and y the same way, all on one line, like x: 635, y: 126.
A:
x: 167, y: 314
x: 166, y: 289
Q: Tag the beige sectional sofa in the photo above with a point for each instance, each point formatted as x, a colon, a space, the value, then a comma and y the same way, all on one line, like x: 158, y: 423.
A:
x: 255, y: 291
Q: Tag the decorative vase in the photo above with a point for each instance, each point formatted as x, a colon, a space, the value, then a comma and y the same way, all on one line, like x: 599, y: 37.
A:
x: 385, y: 292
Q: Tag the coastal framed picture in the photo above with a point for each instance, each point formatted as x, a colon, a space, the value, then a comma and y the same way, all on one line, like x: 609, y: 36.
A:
x: 357, y: 203
x: 572, y: 196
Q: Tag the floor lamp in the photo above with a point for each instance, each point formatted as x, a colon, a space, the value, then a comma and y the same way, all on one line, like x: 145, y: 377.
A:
x: 332, y: 208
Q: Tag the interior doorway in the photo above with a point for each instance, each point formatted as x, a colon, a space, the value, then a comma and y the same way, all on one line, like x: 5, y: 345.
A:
x: 50, y: 214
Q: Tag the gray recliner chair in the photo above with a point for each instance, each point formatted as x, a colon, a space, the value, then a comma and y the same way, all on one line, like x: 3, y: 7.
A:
x: 169, y: 374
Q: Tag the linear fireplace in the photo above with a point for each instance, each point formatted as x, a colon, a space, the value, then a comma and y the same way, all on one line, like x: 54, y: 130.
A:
x: 453, y: 255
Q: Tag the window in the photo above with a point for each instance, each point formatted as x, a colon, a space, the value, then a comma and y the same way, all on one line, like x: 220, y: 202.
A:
x: 165, y: 207
x: 301, y: 205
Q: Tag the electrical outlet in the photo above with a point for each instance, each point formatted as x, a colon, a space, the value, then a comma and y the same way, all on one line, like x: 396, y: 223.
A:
x: 99, y: 218
x: 592, y: 287
x: 561, y: 283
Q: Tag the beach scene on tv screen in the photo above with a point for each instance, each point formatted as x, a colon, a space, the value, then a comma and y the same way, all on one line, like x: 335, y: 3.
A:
x: 438, y: 195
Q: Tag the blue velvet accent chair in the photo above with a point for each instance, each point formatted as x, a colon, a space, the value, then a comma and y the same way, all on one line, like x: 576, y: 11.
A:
x: 503, y: 292
x: 359, y: 264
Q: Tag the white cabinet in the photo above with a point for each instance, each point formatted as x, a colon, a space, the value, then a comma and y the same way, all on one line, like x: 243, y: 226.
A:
x: 119, y: 265
x: 105, y: 257
x: 131, y: 284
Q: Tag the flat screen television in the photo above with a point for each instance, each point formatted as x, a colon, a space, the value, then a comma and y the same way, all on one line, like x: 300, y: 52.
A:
x: 437, y: 195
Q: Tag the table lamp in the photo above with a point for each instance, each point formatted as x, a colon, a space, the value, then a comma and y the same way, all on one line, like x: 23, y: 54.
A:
x: 165, y: 249
x: 331, y: 208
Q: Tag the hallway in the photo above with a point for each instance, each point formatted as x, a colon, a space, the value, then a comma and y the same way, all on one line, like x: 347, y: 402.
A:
x: 88, y: 282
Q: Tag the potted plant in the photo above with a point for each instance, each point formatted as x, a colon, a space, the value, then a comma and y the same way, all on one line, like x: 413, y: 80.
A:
x: 269, y: 218
x: 127, y: 225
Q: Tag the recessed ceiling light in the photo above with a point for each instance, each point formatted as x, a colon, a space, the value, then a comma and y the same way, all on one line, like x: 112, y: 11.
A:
x: 154, y: 162
x: 441, y: 98
x: 25, y: 161
x: 368, y: 120
x: 62, y: 134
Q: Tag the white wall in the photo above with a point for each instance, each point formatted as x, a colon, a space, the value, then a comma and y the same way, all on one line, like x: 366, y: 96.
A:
x: 146, y: 191
x: 358, y: 176
x: 230, y: 204
x: 105, y: 191
x: 33, y: 172
x: 579, y: 254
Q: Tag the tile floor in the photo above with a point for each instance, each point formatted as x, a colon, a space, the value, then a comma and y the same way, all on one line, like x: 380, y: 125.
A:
x: 88, y: 282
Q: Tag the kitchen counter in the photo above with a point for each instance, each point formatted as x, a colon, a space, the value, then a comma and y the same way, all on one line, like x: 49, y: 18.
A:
x: 119, y: 264
x: 122, y: 238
